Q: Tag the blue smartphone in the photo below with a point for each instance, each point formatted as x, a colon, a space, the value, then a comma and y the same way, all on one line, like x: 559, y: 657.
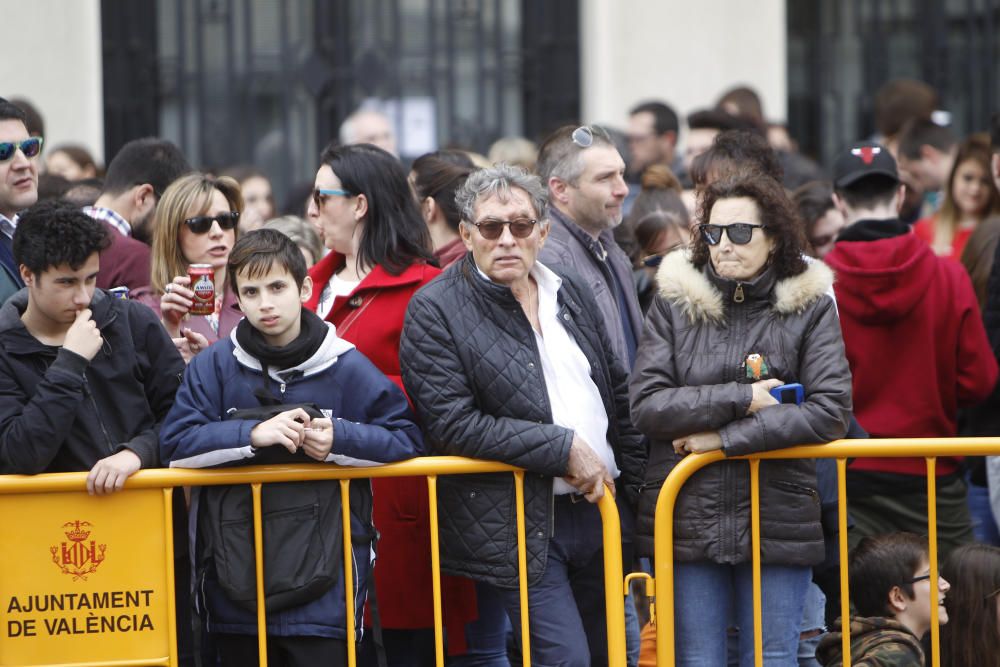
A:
x: 792, y: 393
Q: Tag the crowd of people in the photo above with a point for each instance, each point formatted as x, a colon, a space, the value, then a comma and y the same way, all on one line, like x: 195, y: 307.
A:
x: 593, y: 310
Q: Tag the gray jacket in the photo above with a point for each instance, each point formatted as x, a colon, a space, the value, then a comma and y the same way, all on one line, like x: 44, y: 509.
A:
x: 689, y: 377
x: 570, y: 246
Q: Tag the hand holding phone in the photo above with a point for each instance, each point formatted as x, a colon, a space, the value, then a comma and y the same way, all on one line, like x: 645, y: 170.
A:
x: 792, y: 393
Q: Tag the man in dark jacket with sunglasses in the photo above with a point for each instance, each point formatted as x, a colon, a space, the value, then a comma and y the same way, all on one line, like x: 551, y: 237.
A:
x: 85, y: 379
x: 18, y: 187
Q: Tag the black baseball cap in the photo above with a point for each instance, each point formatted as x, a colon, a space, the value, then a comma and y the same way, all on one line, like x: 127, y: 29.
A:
x: 862, y: 160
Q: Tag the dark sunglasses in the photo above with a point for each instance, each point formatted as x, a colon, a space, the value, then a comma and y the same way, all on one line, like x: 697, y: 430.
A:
x: 739, y: 233
x: 520, y: 228
x: 202, y: 223
x: 31, y: 147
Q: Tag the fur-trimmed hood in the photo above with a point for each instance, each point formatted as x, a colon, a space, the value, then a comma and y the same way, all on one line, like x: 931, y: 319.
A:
x: 688, y: 288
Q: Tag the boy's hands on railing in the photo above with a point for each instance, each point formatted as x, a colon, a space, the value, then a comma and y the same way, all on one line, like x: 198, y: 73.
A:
x: 586, y: 471
x: 286, y: 429
x: 109, y: 474
x: 318, y: 440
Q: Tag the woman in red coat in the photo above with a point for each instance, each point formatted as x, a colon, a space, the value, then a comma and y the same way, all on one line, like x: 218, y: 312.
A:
x: 380, y: 255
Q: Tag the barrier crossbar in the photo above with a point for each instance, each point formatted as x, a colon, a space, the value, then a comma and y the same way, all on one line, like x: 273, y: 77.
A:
x: 257, y: 476
x: 929, y: 449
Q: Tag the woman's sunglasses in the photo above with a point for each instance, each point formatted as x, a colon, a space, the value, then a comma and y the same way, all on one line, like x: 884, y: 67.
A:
x: 200, y: 224
x: 31, y: 147
x: 739, y: 233
x: 520, y: 228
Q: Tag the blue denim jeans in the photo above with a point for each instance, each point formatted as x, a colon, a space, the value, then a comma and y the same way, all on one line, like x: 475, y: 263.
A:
x: 486, y: 636
x: 983, y: 523
x: 708, y: 595
x: 566, y: 606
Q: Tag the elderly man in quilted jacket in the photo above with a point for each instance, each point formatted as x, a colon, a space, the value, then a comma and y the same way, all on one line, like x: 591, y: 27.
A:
x: 507, y: 360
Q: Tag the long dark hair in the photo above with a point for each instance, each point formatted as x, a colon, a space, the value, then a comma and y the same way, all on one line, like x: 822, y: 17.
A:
x: 971, y: 634
x: 394, y: 235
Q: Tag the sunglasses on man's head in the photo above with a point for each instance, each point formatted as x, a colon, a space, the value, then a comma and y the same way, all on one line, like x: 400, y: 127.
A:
x: 739, y: 233
x: 31, y: 147
x: 491, y: 229
x: 200, y: 224
x: 583, y: 136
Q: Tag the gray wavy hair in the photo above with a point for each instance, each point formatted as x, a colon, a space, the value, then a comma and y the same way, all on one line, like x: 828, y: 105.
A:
x: 498, y: 181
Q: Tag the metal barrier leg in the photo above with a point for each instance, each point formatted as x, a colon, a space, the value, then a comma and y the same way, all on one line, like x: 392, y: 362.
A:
x: 758, y: 616
x: 522, y: 569
x: 258, y: 552
x: 932, y: 545
x: 436, y: 571
x: 845, y: 589
x: 614, y: 591
x: 350, y: 607
x: 168, y: 531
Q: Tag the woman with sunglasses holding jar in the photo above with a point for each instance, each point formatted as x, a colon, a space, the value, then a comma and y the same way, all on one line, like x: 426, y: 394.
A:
x: 380, y: 255
x: 738, y: 316
x: 195, y: 223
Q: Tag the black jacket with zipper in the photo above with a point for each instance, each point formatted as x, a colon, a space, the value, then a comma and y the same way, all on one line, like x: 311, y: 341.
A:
x: 689, y: 378
x: 472, y: 368
x: 61, y: 413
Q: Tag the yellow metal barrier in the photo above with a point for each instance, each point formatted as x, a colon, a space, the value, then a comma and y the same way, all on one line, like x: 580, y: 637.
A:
x: 928, y: 448
x: 148, y: 525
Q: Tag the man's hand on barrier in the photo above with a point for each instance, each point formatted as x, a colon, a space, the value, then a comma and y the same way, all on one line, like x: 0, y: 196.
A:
x: 318, y: 440
x: 109, y: 474
x: 586, y: 471
x: 286, y: 429
x: 697, y: 443
x: 762, y: 395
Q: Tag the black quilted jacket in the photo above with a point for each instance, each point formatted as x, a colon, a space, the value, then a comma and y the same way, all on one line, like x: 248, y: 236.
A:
x: 472, y: 369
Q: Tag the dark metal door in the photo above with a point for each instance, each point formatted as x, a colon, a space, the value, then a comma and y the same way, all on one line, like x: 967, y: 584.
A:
x: 841, y: 51
x: 268, y: 82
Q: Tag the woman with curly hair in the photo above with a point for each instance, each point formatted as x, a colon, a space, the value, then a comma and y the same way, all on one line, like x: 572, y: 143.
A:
x: 741, y: 314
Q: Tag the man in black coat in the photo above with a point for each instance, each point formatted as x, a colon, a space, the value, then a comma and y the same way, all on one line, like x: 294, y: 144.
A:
x: 507, y: 360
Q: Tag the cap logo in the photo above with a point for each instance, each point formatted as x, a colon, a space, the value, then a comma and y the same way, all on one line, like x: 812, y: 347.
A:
x: 866, y: 153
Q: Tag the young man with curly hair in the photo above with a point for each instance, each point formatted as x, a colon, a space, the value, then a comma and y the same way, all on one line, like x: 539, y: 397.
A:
x: 85, y: 378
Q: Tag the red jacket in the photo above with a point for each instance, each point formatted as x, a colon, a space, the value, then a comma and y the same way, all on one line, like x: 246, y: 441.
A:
x: 371, y: 317
x: 915, y: 342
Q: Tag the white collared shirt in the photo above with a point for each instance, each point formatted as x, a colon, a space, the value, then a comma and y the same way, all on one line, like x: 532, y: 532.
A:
x: 573, y: 396
x: 111, y: 217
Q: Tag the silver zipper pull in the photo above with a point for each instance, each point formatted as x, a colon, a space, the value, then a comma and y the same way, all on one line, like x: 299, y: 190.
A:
x: 738, y: 294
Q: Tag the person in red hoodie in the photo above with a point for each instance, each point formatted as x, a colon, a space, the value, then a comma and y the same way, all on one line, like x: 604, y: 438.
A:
x: 917, y: 349
x: 379, y: 257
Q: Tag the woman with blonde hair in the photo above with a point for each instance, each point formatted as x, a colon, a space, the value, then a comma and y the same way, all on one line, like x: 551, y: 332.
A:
x: 195, y: 223
x: 970, y: 197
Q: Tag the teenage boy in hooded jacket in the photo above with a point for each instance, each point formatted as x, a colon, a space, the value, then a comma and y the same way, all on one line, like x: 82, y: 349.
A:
x: 85, y: 379
x: 283, y: 354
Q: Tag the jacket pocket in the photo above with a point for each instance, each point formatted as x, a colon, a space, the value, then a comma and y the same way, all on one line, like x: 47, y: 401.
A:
x: 798, y: 489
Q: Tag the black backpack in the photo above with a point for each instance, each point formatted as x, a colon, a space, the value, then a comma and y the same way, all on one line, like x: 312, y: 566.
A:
x: 302, y: 530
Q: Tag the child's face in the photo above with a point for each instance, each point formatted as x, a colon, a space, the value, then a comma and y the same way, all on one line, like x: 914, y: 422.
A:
x: 273, y: 304
x: 928, y: 597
